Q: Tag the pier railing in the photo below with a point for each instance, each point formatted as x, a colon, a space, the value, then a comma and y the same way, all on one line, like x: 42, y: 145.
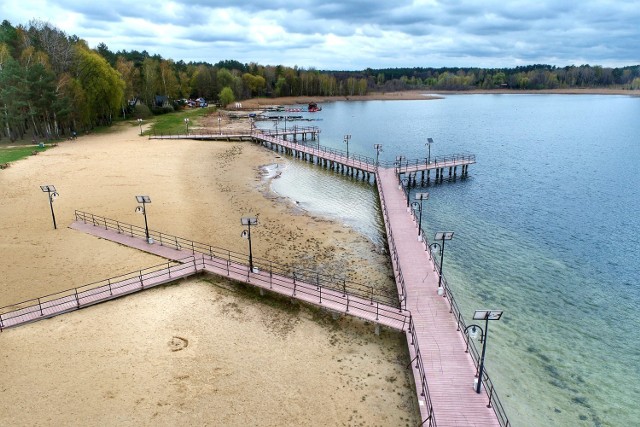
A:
x: 72, y: 298
x: 494, y: 400
x: 292, y: 130
x: 333, y: 282
x: 419, y: 366
x: 407, y: 165
x: 329, y: 153
x: 392, y: 248
x: 309, y: 290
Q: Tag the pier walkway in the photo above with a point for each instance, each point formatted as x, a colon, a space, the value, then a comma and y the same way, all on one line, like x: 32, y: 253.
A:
x: 448, y: 369
x: 187, y: 258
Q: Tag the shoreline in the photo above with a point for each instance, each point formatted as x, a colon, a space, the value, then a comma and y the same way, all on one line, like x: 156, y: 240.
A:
x: 426, y: 94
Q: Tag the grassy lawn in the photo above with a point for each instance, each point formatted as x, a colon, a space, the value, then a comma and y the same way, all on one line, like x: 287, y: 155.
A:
x: 8, y: 155
x: 173, y: 123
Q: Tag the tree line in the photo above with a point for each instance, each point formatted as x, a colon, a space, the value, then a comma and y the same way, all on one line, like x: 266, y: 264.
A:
x: 53, y: 84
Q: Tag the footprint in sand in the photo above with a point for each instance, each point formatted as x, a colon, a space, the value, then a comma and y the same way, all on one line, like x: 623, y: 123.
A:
x: 178, y: 343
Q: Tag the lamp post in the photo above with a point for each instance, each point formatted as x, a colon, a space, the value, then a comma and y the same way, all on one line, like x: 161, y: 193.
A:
x: 404, y: 184
x: 143, y: 210
x: 428, y: 144
x: 441, y: 235
x: 378, y: 148
x: 420, y: 206
x: 140, y: 123
x: 249, y: 221
x: 399, y: 160
x: 53, y: 194
x: 346, y: 141
x: 471, y: 330
x: 186, y: 122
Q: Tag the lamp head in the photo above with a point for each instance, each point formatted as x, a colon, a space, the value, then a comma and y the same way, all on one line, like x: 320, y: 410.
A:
x: 473, y: 332
x: 143, y: 199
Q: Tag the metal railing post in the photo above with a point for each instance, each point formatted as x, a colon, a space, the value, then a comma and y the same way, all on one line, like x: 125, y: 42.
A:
x: 294, y: 283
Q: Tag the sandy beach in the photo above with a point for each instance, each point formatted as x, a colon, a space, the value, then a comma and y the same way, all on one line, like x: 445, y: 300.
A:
x: 202, y: 351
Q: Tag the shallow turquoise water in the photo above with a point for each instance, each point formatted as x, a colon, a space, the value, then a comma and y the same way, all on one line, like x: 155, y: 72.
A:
x: 546, y: 229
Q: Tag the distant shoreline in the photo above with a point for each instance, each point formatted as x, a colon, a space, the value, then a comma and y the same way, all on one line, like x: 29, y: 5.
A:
x: 412, y: 95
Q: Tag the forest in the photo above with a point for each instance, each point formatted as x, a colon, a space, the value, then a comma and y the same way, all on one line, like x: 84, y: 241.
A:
x: 53, y: 84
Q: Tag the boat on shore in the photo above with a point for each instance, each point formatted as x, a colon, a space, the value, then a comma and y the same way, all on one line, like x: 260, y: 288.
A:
x: 313, y: 107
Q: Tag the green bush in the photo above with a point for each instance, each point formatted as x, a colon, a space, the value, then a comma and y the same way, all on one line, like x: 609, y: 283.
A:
x: 142, y: 111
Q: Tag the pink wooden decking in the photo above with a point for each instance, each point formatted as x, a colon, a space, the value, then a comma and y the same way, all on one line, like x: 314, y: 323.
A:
x: 449, y: 370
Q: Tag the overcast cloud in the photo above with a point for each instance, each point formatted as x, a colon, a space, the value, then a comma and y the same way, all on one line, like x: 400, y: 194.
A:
x: 354, y: 34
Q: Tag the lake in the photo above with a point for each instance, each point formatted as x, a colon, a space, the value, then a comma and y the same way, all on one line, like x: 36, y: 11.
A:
x: 546, y: 229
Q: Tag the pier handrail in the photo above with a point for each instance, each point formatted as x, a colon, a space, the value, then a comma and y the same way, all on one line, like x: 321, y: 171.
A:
x: 392, y: 246
x: 312, y: 290
x: 492, y: 394
x: 356, y: 160
x: 422, y: 375
x: 291, y: 131
x: 176, y: 242
x: 27, y: 307
x: 438, y: 161
x: 212, y: 133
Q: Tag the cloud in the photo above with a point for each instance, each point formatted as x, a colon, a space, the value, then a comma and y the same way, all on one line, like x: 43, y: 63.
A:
x: 355, y: 34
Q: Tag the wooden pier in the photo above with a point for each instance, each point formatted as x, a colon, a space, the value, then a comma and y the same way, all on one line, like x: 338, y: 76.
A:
x: 304, y: 143
x: 444, y: 361
x: 187, y: 258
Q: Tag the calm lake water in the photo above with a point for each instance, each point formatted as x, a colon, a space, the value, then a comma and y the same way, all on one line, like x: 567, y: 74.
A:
x: 546, y: 228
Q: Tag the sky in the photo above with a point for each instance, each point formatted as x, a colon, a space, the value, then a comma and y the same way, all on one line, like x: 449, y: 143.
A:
x: 354, y: 34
